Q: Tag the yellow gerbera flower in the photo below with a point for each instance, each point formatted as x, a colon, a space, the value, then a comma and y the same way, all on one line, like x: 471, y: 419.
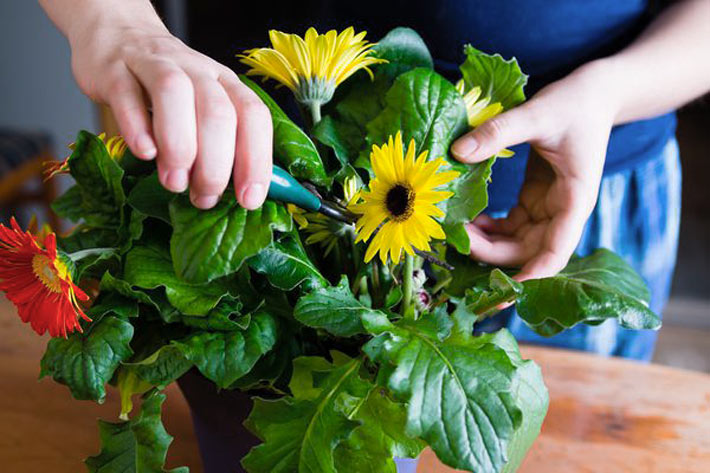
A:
x: 401, y: 201
x: 312, y: 66
x: 479, y: 110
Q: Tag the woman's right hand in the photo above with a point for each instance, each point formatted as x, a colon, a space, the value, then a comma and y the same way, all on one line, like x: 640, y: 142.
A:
x: 206, y: 125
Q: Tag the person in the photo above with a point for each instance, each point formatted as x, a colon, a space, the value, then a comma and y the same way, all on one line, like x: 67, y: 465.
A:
x: 604, y: 79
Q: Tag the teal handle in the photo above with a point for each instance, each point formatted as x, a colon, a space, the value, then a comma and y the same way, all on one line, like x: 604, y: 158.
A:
x: 285, y: 188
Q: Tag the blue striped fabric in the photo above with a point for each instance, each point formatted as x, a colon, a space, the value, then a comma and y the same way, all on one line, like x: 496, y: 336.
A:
x: 17, y: 147
x: 637, y: 216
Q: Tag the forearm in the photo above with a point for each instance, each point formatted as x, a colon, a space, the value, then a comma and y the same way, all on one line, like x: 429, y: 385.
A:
x: 76, y: 18
x: 666, y: 67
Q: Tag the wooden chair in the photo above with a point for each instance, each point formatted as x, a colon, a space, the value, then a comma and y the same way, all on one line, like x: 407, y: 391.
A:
x: 22, y: 158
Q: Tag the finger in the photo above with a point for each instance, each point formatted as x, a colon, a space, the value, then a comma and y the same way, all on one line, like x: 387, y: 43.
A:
x: 252, y: 167
x: 174, y: 122
x: 560, y: 241
x: 507, y: 129
x: 485, y: 223
x: 507, y: 226
x: 125, y: 97
x: 216, y: 135
x: 498, y: 251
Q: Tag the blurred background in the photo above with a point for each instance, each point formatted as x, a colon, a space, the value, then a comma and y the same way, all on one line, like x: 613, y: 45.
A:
x: 41, y: 110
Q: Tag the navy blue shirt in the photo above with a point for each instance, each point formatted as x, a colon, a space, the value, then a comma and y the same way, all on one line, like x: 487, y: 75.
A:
x: 549, y: 38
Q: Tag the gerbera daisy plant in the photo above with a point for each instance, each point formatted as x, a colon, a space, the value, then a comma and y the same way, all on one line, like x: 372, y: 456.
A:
x: 355, y: 337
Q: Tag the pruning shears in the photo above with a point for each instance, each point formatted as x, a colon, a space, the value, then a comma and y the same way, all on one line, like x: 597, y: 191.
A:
x: 285, y: 188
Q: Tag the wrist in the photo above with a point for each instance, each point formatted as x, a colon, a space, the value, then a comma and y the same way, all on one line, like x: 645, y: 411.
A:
x: 106, y: 16
x: 604, y: 79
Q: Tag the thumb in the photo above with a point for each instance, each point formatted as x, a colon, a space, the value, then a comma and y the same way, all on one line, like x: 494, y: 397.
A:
x: 507, y: 129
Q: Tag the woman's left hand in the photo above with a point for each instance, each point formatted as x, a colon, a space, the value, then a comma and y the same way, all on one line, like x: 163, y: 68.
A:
x: 568, y: 125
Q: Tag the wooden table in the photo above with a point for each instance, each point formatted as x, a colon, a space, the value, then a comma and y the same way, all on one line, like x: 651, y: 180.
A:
x: 606, y: 416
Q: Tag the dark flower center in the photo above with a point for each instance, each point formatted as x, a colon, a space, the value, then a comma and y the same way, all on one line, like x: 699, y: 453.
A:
x: 399, y: 201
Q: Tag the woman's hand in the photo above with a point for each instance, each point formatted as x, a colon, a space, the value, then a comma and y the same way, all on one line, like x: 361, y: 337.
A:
x: 205, y: 125
x: 568, y: 125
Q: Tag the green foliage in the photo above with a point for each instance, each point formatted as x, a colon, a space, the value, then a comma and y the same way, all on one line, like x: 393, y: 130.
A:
x: 301, y: 432
x: 161, y: 368
x: 224, y: 357
x: 404, y: 50
x: 149, y: 267
x: 333, y: 308
x: 85, y: 362
x: 292, y: 147
x: 136, y: 446
x: 98, y: 177
x: 458, y: 392
x: 225, y: 317
x: 423, y: 106
x: 501, y: 80
x: 208, y: 244
x: 533, y: 399
x: 151, y: 198
x: 379, y: 438
x: 286, y: 264
x: 589, y: 290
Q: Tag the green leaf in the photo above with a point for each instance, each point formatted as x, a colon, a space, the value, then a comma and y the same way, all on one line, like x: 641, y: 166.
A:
x: 458, y: 392
x: 531, y: 395
x: 500, y: 289
x: 334, y: 309
x: 423, y: 106
x: 151, y: 198
x: 110, y: 302
x: 111, y: 283
x: 162, y: 367
x: 136, y: 446
x: 93, y: 262
x: 466, y: 274
x: 404, y: 50
x: 226, y: 317
x: 469, y: 199
x: 301, y: 432
x: 68, y: 205
x: 149, y: 267
x: 129, y: 384
x: 380, y: 437
x: 589, y: 290
x: 273, y: 370
x: 346, y: 138
x: 208, y: 244
x: 499, y: 79
x: 224, y: 357
x: 84, y: 237
x: 471, y: 193
x: 98, y: 177
x: 292, y: 147
x: 286, y: 265
x: 86, y: 362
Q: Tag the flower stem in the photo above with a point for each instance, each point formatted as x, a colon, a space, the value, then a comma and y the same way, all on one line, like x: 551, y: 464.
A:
x: 81, y: 254
x: 407, y: 289
x: 315, y: 112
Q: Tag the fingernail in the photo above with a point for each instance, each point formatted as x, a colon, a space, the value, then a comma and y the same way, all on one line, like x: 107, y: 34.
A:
x: 464, y: 147
x: 253, y: 196
x: 174, y: 180
x: 145, y: 147
x: 205, y: 201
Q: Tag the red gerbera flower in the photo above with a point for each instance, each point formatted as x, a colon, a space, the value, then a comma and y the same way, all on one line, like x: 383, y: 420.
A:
x: 38, y: 282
